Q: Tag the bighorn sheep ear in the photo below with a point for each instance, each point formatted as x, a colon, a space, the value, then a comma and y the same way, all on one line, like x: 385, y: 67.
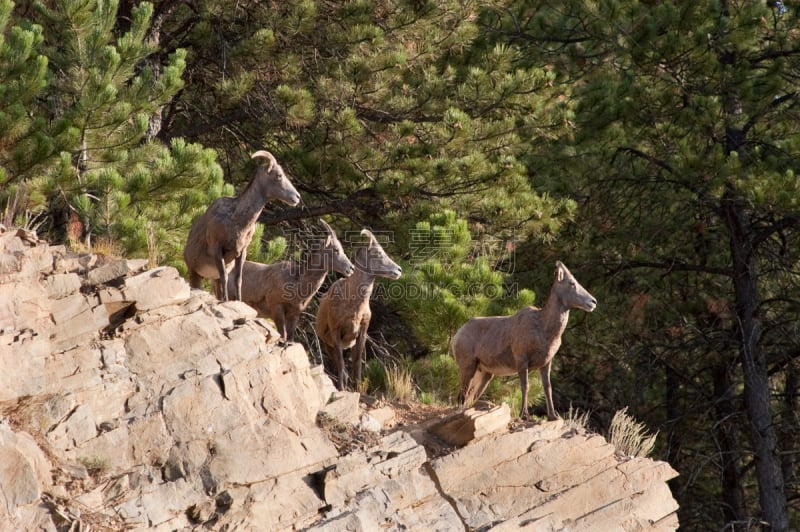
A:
x: 559, y: 271
x: 268, y: 156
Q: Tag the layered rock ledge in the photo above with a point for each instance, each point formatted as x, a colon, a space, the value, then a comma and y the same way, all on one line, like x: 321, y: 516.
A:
x: 129, y: 401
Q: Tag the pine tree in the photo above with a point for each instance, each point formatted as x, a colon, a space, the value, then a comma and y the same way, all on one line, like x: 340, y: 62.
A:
x: 452, y: 278
x: 22, y: 78
x: 136, y: 194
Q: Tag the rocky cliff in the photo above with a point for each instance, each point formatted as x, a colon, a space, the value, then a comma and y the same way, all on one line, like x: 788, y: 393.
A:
x: 128, y: 401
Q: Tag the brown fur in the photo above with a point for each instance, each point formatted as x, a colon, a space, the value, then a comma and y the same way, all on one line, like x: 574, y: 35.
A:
x: 219, y: 238
x: 512, y: 345
x: 282, y: 291
x: 343, y: 315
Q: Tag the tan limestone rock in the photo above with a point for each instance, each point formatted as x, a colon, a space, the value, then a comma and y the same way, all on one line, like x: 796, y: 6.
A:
x: 156, y: 288
x: 24, y: 468
x: 343, y: 407
x: 387, y: 484
x: 324, y: 383
x: 385, y: 416
x: 113, y: 270
x: 61, y: 285
x: 473, y: 423
x: 78, y: 318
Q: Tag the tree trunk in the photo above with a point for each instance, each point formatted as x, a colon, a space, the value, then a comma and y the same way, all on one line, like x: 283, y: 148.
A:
x: 727, y: 434
x: 674, y: 414
x: 791, y: 423
x: 756, y: 383
x: 745, y: 286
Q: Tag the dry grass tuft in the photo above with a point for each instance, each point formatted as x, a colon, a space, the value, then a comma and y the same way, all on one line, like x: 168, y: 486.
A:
x: 152, y: 246
x: 629, y: 437
x: 108, y: 247
x: 399, y: 383
x: 575, y: 419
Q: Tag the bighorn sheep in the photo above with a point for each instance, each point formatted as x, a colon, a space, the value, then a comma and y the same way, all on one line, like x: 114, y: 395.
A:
x: 343, y: 314
x: 219, y: 238
x: 283, y: 290
x: 508, y: 345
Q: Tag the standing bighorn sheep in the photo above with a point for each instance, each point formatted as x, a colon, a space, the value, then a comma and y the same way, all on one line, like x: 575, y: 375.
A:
x: 283, y: 290
x: 343, y: 314
x: 221, y: 235
x: 509, y: 345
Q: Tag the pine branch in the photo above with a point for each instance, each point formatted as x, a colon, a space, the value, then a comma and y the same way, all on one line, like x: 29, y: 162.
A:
x: 787, y: 222
x: 363, y: 201
x: 670, y: 266
x: 643, y: 155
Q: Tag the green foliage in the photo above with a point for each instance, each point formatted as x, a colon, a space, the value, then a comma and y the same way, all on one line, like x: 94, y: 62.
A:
x: 167, y: 188
x: 437, y: 376
x: 374, y: 374
x: 451, y: 279
x: 23, y: 76
x: 508, y: 390
x: 104, y: 96
x: 427, y: 398
x: 266, y: 252
x: 383, y: 100
x: 97, y: 95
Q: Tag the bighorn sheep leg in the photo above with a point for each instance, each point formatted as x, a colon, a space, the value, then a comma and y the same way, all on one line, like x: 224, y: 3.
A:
x: 478, y: 384
x: 548, y: 391
x: 237, y: 271
x: 338, y: 358
x: 357, y: 354
x: 219, y: 259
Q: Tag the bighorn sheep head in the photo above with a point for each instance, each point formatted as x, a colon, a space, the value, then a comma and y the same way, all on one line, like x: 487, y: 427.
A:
x: 276, y: 184
x: 339, y: 261
x: 375, y: 260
